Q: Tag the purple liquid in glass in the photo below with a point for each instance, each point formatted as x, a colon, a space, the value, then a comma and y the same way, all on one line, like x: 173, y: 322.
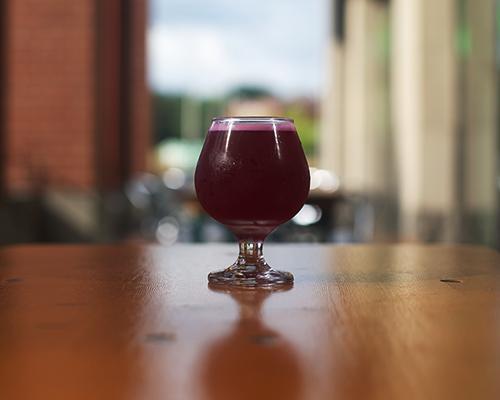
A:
x: 253, y: 178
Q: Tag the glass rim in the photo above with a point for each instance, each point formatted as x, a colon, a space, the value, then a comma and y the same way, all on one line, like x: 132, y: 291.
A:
x: 252, y: 119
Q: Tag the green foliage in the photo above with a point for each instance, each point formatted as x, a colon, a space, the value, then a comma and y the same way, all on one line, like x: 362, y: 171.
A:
x: 211, y: 108
x: 166, y: 110
x: 249, y: 92
x: 167, y: 115
x: 306, y: 127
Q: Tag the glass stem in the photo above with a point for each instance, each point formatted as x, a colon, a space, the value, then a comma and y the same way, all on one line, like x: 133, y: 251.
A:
x: 251, y: 255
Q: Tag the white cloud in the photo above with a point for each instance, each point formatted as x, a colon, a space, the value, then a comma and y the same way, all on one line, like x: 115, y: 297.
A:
x: 187, y: 59
x: 280, y: 47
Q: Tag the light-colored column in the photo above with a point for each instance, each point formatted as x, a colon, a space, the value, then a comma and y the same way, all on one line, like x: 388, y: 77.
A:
x: 368, y: 154
x: 355, y: 137
x: 331, y: 149
x: 424, y: 105
x: 481, y: 108
x: 356, y: 96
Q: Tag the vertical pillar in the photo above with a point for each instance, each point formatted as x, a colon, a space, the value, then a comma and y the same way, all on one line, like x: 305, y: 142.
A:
x: 355, y: 96
x: 331, y: 154
x: 123, y: 99
x: 366, y: 98
x: 110, y: 98
x: 3, y: 92
x: 140, y: 96
x: 424, y: 104
x: 480, y: 104
x: 355, y: 133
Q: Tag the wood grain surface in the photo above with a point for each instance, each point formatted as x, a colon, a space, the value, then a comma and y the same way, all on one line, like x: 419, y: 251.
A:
x: 360, y: 322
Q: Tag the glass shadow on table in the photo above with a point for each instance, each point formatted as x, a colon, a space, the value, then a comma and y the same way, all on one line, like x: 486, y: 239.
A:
x: 252, y: 361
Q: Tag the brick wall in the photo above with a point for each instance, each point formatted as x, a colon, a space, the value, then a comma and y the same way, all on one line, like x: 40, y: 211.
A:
x: 51, y: 119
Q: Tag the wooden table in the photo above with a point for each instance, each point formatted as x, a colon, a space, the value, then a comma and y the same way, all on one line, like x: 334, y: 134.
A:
x: 361, y: 322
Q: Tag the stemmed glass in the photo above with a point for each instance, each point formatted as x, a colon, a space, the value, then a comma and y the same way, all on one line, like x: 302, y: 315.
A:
x: 252, y: 175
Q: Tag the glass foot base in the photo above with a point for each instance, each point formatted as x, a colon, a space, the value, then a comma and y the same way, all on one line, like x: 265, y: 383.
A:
x: 250, y: 270
x: 250, y: 277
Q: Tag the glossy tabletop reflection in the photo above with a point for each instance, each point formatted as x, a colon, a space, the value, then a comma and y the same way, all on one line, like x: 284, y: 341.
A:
x: 360, y: 322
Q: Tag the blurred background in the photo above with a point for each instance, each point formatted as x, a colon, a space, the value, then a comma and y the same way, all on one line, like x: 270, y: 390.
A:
x: 104, y: 106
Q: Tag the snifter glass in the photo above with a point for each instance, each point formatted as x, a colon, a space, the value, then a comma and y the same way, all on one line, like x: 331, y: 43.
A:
x: 252, y: 176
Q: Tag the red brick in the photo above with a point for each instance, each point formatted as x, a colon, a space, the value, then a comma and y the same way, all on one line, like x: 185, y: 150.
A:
x: 50, y: 121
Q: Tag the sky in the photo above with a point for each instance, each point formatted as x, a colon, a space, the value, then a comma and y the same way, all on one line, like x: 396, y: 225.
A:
x: 206, y: 48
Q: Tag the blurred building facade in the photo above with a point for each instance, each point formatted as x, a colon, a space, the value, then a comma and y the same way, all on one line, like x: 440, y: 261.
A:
x: 410, y: 121
x: 74, y: 118
x: 410, y: 117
